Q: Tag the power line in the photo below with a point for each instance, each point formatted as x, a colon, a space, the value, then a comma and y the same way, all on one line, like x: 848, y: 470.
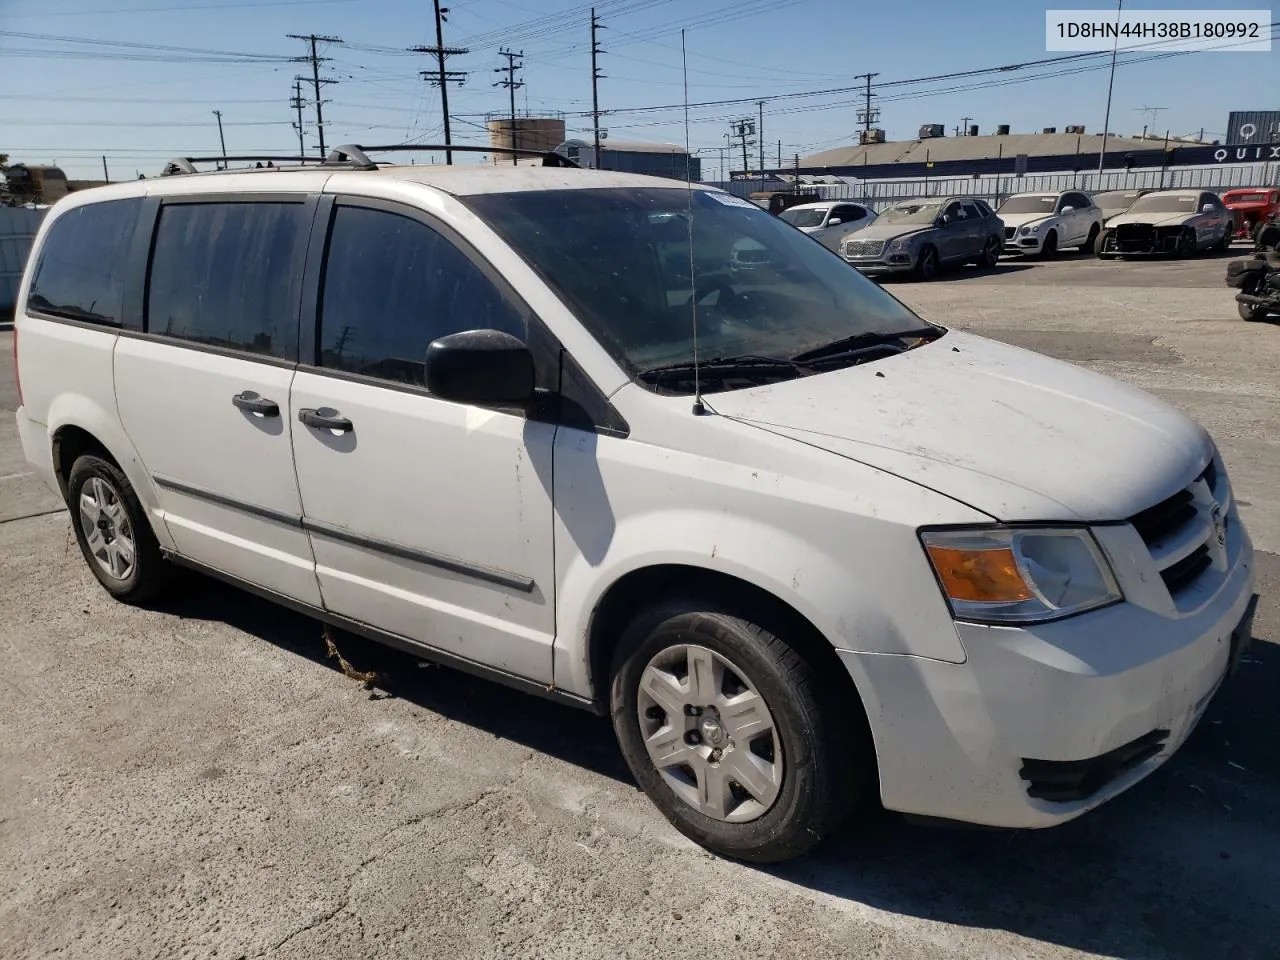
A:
x: 442, y: 77
x: 316, y: 79
x: 512, y: 86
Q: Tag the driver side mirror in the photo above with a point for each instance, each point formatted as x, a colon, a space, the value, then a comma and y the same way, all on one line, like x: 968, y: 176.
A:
x: 1067, y: 209
x: 1208, y: 208
x: 943, y: 219
x: 480, y: 367
x: 834, y: 222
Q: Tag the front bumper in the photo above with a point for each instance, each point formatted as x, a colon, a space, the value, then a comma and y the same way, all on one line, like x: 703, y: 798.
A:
x: 1028, y: 244
x: 1096, y: 701
x: 878, y: 265
x: 1139, y: 240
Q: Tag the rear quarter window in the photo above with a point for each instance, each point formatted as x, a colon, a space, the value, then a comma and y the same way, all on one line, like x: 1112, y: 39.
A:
x: 82, y: 267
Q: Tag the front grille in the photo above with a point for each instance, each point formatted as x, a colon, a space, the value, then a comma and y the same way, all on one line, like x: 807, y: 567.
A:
x: 864, y: 248
x: 1181, y: 574
x: 1167, y: 517
x: 1009, y: 232
x: 1179, y: 529
x: 1064, y: 781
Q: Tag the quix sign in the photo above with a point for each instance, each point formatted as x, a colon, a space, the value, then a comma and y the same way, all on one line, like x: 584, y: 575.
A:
x: 1261, y: 151
x: 1251, y: 127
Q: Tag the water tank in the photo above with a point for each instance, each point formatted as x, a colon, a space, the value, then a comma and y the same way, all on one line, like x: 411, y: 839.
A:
x: 1049, y: 130
x: 1078, y: 128
x: 525, y: 133
x: 928, y: 130
x: 973, y: 129
x: 1002, y: 130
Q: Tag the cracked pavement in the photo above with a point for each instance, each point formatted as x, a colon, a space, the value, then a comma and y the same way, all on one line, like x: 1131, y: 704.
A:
x: 200, y: 780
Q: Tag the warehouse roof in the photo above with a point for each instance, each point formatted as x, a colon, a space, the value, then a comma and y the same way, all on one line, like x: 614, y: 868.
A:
x: 939, y: 149
x: 629, y: 146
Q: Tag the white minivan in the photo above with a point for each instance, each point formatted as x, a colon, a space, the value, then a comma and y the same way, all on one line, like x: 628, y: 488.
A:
x: 802, y: 545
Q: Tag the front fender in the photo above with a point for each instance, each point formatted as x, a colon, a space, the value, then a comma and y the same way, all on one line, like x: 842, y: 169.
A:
x: 845, y: 604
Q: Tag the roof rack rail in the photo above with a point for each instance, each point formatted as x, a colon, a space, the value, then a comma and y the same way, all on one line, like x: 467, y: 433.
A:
x: 358, y: 155
x: 180, y: 165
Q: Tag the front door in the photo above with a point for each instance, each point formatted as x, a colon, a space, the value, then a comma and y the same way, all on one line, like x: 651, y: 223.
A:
x: 954, y: 236
x: 204, y: 393
x: 429, y: 519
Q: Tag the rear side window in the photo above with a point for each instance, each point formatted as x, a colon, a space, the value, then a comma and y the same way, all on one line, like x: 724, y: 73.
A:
x: 227, y: 275
x: 391, y: 286
x: 81, y: 273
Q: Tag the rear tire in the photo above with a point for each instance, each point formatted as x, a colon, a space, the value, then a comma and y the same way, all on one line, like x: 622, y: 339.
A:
x: 682, y: 675
x: 113, y: 531
x: 990, y: 255
x: 1089, y: 245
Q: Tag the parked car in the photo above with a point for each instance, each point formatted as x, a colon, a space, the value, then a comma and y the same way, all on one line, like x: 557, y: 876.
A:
x: 799, y: 543
x: 925, y: 234
x: 776, y: 201
x: 1252, y: 208
x: 1170, y: 222
x: 829, y: 222
x: 1043, y: 223
x: 1112, y: 203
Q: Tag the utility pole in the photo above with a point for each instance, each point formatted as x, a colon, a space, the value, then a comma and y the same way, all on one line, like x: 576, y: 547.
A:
x: 105, y: 176
x: 867, y: 116
x: 964, y: 126
x: 296, y: 103
x: 760, y: 133
x: 1106, y: 122
x: 222, y: 140
x: 512, y: 85
x: 441, y: 77
x: 743, y: 131
x: 596, y: 77
x: 316, y: 80
x: 779, y: 154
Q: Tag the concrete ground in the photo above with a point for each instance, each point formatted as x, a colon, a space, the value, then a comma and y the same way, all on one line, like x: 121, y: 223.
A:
x: 199, y: 781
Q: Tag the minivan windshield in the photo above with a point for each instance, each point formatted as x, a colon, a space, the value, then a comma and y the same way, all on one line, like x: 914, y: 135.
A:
x: 804, y: 218
x: 637, y: 265
x: 912, y: 211
x: 1031, y: 204
x: 1165, y: 203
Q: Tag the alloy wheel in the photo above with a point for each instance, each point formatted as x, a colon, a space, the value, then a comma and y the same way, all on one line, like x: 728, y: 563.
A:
x: 710, y: 734
x: 106, y: 528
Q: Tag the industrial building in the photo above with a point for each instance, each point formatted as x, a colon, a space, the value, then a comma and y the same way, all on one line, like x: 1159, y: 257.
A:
x: 524, y: 133
x: 630, y: 156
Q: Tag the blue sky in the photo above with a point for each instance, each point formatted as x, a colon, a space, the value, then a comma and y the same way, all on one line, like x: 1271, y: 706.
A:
x: 72, y: 102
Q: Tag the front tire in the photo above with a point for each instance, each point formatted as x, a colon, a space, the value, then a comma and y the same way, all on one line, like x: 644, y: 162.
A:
x: 1224, y: 244
x: 1186, y: 244
x: 1100, y: 246
x: 1049, y: 249
x: 1250, y: 312
x: 112, y: 529
x: 735, y: 736
x: 1090, y: 244
x: 927, y: 265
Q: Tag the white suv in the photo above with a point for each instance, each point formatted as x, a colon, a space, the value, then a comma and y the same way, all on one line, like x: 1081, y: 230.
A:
x: 1044, y: 223
x: 456, y: 410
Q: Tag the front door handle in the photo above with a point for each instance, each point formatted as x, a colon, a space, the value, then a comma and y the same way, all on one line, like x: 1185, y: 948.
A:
x: 314, y: 418
x: 248, y: 400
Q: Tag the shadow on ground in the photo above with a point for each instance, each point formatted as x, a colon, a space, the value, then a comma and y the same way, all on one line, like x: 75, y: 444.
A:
x: 1184, y: 865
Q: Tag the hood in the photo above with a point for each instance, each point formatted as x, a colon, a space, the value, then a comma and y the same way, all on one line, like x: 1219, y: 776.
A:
x: 1022, y: 219
x: 880, y: 230
x: 1154, y: 218
x: 1245, y: 204
x: 1012, y: 433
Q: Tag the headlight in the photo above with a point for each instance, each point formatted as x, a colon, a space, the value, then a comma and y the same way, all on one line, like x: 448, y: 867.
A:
x: 1020, y: 574
x: 1032, y: 229
x: 897, y: 245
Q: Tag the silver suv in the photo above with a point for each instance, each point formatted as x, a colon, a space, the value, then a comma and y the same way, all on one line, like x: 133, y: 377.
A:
x: 923, y: 234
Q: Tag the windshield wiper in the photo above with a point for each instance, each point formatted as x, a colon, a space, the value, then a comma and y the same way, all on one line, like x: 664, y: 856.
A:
x: 863, y: 341
x: 742, y: 364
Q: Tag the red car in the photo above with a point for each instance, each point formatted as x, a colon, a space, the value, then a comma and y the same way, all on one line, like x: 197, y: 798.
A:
x: 1251, y: 207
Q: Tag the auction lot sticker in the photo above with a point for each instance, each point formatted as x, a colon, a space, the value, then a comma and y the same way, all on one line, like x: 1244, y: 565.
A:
x: 1224, y: 31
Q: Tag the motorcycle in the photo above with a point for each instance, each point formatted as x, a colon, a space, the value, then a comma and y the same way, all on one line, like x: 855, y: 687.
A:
x: 1258, y: 280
